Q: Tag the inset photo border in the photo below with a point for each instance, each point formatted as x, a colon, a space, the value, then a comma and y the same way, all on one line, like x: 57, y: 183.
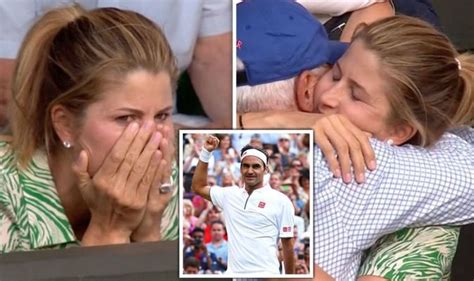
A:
x: 247, y: 213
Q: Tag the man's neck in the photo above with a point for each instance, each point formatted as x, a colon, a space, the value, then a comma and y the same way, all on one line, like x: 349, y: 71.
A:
x: 217, y: 243
x: 253, y: 188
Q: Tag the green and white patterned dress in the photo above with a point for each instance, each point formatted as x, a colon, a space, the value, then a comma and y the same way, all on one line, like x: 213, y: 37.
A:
x: 423, y: 253
x: 31, y: 214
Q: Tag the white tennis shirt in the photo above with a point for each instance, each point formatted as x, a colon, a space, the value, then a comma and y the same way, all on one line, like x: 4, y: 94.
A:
x: 254, y: 225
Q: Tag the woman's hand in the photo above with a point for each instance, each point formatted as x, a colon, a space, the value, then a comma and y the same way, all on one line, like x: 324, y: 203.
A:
x: 344, y: 145
x: 117, y: 193
x: 160, y: 193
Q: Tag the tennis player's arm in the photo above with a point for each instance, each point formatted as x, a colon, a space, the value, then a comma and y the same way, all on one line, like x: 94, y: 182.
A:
x: 288, y: 255
x: 199, y: 183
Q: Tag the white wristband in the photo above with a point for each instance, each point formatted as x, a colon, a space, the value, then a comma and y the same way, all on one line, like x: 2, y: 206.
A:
x: 205, y: 155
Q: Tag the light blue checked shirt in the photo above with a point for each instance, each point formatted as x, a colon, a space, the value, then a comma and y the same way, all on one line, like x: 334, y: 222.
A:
x: 411, y: 187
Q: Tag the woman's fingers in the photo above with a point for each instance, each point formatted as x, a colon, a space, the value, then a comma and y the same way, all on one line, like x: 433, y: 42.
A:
x: 140, y: 170
x: 341, y: 147
x: 355, y: 151
x: 115, y: 157
x: 363, y: 138
x: 147, y: 182
x: 158, y: 200
x: 128, y: 166
x: 80, y: 169
x: 166, y: 145
x: 346, y: 148
x: 328, y: 152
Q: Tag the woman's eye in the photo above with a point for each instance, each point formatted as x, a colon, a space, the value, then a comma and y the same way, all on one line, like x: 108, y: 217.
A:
x: 125, y: 119
x: 163, y: 116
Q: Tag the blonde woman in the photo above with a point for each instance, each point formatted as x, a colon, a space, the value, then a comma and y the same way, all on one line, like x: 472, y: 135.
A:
x: 404, y: 83
x: 90, y: 160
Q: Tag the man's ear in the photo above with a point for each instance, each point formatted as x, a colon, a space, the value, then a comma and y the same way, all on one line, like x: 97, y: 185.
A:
x: 63, y: 123
x: 401, y: 133
x: 305, y: 84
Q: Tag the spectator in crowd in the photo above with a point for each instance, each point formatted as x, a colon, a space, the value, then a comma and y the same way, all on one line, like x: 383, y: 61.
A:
x: 275, y: 180
x: 198, y: 250
x: 90, y: 160
x: 189, y: 216
x: 187, y: 239
x: 191, y: 265
x: 256, y: 141
x: 218, y: 246
x: 228, y: 180
x: 199, y: 33
x: 207, y: 217
x: 284, y: 143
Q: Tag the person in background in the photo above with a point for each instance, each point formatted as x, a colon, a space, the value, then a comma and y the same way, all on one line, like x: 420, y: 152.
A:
x: 198, y: 250
x: 91, y: 157
x: 218, y: 247
x: 191, y: 265
x: 199, y: 33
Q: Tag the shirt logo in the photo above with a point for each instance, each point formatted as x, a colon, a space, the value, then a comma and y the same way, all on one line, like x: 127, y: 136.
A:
x: 261, y: 204
x: 287, y: 229
x: 239, y: 44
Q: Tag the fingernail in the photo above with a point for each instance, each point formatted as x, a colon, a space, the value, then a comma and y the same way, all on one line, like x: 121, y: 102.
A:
x: 360, y: 178
x: 347, y: 178
x: 372, y: 165
x: 337, y: 173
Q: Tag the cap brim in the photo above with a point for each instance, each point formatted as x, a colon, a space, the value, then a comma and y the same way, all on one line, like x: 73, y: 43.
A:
x: 336, y: 49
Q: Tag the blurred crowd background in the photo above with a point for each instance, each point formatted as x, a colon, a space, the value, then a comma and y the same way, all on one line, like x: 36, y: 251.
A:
x: 204, y: 232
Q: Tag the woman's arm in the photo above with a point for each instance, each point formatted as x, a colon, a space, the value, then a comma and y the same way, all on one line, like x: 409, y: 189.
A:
x: 344, y: 146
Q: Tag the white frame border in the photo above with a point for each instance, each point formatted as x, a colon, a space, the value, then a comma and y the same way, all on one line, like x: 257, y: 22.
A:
x: 311, y: 202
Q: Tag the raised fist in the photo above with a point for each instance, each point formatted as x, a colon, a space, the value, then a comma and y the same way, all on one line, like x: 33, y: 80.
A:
x: 211, y: 143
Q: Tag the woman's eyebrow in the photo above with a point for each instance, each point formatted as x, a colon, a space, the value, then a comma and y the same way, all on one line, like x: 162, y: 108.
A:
x: 140, y: 112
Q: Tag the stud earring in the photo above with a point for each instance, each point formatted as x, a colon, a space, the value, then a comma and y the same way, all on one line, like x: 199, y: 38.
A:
x: 66, y: 144
x: 390, y: 142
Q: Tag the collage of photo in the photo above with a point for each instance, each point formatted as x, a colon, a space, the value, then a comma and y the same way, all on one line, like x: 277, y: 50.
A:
x: 243, y: 140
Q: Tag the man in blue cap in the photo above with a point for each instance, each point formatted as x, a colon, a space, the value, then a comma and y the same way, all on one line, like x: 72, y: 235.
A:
x: 287, y: 39
x: 280, y: 43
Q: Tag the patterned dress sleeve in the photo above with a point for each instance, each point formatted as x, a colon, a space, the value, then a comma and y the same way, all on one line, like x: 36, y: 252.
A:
x: 169, y: 221
x: 413, y: 254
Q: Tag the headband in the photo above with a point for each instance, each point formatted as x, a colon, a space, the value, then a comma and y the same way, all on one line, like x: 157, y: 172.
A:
x: 254, y: 152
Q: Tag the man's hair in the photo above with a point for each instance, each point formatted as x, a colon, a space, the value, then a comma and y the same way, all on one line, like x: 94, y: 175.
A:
x: 249, y: 146
x: 218, y: 222
x: 278, y: 95
x: 304, y: 175
x: 191, y: 262
x: 197, y: 229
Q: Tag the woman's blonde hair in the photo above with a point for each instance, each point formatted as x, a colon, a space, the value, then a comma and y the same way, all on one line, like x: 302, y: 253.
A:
x: 431, y: 83
x: 69, y: 57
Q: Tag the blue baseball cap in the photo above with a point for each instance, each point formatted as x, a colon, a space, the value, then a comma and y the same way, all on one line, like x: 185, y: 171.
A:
x: 277, y: 39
